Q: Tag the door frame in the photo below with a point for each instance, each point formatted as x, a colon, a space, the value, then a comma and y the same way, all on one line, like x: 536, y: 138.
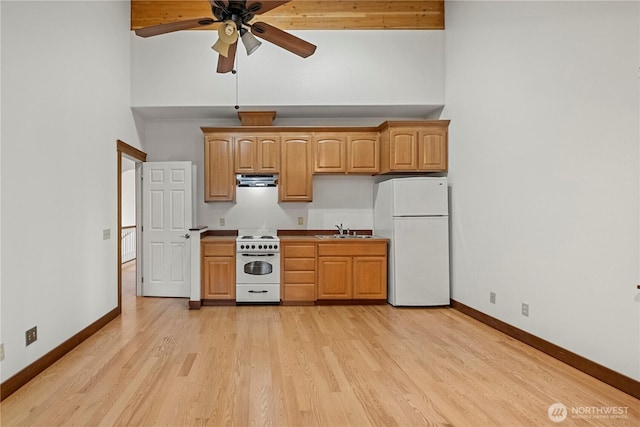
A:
x: 137, y: 156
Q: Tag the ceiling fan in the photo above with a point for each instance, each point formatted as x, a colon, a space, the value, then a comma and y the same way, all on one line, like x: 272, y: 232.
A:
x: 235, y: 16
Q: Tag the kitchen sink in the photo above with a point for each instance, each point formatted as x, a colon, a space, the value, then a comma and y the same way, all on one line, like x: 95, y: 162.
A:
x: 344, y: 236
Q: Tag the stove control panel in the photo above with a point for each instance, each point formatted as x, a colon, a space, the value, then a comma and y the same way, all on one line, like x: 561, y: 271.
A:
x: 260, y: 246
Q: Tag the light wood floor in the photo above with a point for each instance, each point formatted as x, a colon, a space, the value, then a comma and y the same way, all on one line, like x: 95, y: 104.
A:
x: 160, y: 364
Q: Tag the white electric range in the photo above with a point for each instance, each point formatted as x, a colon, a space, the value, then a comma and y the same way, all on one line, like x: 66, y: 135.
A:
x: 257, y: 266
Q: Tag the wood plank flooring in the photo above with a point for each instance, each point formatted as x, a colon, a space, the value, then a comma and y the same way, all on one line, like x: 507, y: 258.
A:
x: 160, y: 364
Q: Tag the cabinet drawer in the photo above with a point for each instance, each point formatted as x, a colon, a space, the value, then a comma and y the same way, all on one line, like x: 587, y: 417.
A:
x: 299, y: 277
x: 299, y: 264
x: 348, y: 249
x: 218, y: 249
x: 300, y: 251
x: 298, y: 292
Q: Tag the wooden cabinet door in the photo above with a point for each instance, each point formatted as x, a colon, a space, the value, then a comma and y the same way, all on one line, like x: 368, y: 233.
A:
x: 403, y: 149
x: 335, y: 278
x: 296, y: 183
x: 268, y: 154
x: 432, y: 149
x: 219, y: 278
x: 257, y: 154
x: 219, y: 180
x: 370, y: 277
x: 245, y: 154
x: 330, y: 153
x: 363, y: 152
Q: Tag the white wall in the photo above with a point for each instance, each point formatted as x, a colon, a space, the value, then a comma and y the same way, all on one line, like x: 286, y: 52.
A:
x: 65, y: 102
x: 348, y: 68
x: 544, y: 168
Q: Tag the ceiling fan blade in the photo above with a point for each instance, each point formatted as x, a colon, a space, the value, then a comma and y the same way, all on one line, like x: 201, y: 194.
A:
x: 283, y: 39
x: 156, y: 30
x: 261, y: 6
x: 226, y: 64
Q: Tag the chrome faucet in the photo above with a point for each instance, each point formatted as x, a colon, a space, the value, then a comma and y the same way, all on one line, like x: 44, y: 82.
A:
x: 340, y: 229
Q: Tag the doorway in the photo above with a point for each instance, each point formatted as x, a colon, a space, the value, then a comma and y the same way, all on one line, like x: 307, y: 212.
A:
x: 129, y: 158
x: 129, y: 237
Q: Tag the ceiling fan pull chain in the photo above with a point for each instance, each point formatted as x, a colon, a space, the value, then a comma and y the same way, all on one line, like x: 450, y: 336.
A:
x: 235, y: 71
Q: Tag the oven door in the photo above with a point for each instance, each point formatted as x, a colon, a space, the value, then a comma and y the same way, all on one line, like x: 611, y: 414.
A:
x: 258, y: 268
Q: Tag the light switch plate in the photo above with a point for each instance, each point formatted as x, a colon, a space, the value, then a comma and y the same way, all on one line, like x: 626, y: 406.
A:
x: 300, y: 220
x: 1, y: 352
x: 106, y: 234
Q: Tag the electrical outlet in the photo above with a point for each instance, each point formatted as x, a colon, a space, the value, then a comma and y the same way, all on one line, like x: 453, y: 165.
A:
x: 300, y: 220
x: 222, y: 222
x: 31, y: 335
x: 1, y: 352
x: 525, y: 309
x: 106, y: 234
x: 492, y: 297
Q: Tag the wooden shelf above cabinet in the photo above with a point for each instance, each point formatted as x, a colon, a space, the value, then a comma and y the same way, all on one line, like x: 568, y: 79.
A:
x: 256, y: 118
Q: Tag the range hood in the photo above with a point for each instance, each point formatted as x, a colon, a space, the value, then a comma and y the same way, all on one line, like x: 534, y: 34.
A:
x: 256, y: 180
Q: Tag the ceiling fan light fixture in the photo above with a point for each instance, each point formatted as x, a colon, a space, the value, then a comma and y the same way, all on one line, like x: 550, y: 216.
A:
x: 227, y: 32
x: 250, y: 42
x: 227, y: 35
x: 221, y: 47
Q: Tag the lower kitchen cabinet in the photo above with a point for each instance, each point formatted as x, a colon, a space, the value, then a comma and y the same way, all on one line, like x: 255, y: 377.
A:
x: 218, y: 271
x: 298, y: 272
x: 370, y: 277
x: 352, y: 271
x: 335, y: 277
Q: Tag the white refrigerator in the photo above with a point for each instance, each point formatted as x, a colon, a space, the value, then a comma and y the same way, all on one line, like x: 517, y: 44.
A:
x: 413, y: 213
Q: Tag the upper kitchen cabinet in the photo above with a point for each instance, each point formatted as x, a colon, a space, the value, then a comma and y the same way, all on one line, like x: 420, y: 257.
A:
x: 219, y: 179
x: 348, y: 151
x: 330, y: 152
x: 257, y: 154
x: 295, y: 182
x: 363, y: 152
x: 419, y: 146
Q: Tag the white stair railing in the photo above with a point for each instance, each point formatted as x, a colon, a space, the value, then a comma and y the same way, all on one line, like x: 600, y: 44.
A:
x: 128, y: 239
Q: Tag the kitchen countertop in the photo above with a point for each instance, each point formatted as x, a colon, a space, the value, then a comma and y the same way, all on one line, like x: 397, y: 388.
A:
x: 314, y: 238
x: 219, y: 238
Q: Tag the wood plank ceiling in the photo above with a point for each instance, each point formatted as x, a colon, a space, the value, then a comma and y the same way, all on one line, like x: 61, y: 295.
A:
x: 307, y: 14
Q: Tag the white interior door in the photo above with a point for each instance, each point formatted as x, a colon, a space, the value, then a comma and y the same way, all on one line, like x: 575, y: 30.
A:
x: 166, y: 212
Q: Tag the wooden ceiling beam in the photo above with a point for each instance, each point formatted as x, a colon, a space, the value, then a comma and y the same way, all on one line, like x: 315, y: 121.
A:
x: 307, y: 14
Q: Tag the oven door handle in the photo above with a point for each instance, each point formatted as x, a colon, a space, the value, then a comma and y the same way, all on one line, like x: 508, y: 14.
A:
x: 258, y: 255
x: 251, y: 291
